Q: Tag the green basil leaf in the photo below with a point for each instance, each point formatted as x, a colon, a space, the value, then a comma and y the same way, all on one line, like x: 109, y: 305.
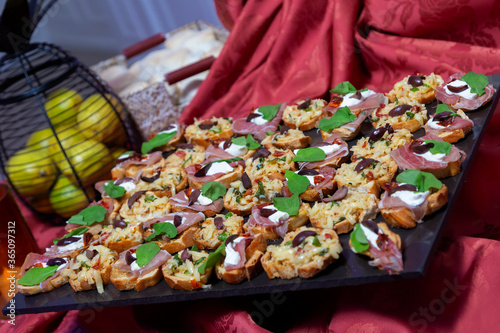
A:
x: 261, y: 193
x: 440, y: 147
x: 199, y: 261
x: 37, y: 275
x: 74, y: 232
x: 288, y: 205
x: 89, y: 215
x: 212, y: 258
x: 146, y: 252
x: 364, y: 89
x: 239, y: 141
x: 113, y: 191
x: 422, y: 180
x: 251, y: 143
x: 340, y: 117
x: 163, y: 228
x: 157, y: 141
x: 195, y: 248
x: 443, y: 107
x: 316, y: 241
x: 343, y: 88
x: 223, y: 236
x: 311, y: 154
x: 476, y: 82
x: 213, y: 190
x: 297, y: 184
x: 269, y: 111
x: 358, y: 239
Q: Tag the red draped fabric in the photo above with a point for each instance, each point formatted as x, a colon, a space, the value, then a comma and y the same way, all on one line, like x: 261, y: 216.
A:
x: 283, y: 50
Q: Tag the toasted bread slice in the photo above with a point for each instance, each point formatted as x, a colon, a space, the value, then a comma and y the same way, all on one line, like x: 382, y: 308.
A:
x: 412, y: 120
x: 240, y: 201
x: 305, y: 260
x: 291, y: 139
x: 86, y: 273
x: 423, y: 94
x: 183, y: 274
x: 119, y: 240
x: 252, y: 267
x: 403, y: 217
x: 312, y: 194
x: 294, y: 222
x: 366, y: 148
x: 225, y: 180
x: 123, y: 281
x: 344, y: 133
x: 171, y: 180
x: 218, y: 129
x: 179, y: 243
x: 184, y: 157
x: 341, y: 216
x: 54, y: 282
x: 306, y: 118
x: 208, y: 236
x: 273, y: 166
x: 148, y: 206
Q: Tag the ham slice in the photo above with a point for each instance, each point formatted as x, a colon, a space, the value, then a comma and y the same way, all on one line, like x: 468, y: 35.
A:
x: 159, y: 259
x: 388, y: 201
x: 137, y: 159
x: 181, y: 200
x: 388, y: 257
x: 456, y: 123
x: 341, y: 152
x: 407, y: 159
x: 242, y: 127
x: 354, y: 125
x: 457, y: 102
x: 217, y: 153
x: 99, y: 185
x: 369, y: 103
x: 191, y: 219
x: 35, y: 258
x: 240, y: 248
x: 192, y: 169
x: 256, y: 219
x: 325, y: 178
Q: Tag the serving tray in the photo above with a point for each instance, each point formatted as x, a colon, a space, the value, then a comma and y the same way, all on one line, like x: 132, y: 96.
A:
x: 351, y: 269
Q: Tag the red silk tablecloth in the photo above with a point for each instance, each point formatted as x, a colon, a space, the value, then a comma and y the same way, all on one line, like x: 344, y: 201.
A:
x: 283, y: 50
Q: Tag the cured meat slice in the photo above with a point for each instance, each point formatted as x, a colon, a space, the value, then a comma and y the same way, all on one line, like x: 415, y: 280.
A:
x: 243, y: 127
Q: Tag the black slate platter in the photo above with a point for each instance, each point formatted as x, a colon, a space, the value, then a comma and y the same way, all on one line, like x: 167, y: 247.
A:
x: 351, y: 269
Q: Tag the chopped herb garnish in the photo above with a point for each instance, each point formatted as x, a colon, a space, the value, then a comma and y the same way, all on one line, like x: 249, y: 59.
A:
x: 261, y: 193
x: 316, y: 241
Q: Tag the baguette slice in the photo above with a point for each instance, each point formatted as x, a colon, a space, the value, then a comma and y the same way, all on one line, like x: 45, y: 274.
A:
x: 252, y: 267
x: 183, y: 274
x: 403, y: 217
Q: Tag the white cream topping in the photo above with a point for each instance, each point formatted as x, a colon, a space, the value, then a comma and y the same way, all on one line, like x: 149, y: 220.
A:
x: 434, y: 124
x: 432, y: 157
x: 370, y: 236
x: 123, y: 156
x: 72, y: 246
x: 173, y: 129
x: 202, y: 200
x: 310, y: 178
x: 411, y: 198
x: 44, y: 264
x: 219, y: 167
x: 278, y: 216
x: 465, y: 94
x: 232, y: 257
x: 330, y: 149
x: 135, y: 267
x: 182, y: 221
x: 258, y: 120
x: 235, y: 150
x: 349, y: 101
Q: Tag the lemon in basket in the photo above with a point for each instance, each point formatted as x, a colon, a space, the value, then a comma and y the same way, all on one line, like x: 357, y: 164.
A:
x: 66, y: 198
x: 98, y: 120
x: 31, y: 171
x: 39, y: 139
x: 87, y: 156
x: 62, y: 106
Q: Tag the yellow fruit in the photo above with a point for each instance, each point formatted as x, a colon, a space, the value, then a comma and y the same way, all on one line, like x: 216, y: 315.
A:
x: 62, y: 106
x: 116, y: 152
x: 66, y: 198
x: 97, y: 120
x: 39, y: 139
x: 31, y: 172
x: 87, y: 156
